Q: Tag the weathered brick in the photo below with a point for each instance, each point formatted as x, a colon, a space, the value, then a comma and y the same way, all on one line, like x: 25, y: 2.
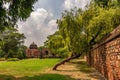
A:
x: 108, y: 55
x: 118, y: 57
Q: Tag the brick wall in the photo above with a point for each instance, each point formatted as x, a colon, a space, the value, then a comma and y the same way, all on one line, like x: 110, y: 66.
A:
x: 32, y: 53
x: 105, y: 56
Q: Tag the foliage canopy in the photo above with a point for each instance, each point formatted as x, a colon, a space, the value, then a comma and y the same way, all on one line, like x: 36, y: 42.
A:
x: 13, y: 10
x: 81, y: 29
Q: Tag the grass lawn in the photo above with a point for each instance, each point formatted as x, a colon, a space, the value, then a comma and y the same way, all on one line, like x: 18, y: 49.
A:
x: 37, y: 77
x: 26, y: 67
x: 29, y: 69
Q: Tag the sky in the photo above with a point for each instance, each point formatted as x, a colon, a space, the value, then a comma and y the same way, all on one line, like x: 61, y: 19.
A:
x: 42, y: 21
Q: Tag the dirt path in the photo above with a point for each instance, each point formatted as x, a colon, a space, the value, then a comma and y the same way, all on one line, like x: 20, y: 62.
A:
x: 78, y: 70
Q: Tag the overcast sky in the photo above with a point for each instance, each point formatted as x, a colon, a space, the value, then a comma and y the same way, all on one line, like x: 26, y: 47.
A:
x: 42, y: 21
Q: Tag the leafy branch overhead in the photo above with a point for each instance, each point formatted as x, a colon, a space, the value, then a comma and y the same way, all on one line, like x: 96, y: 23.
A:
x: 13, y: 10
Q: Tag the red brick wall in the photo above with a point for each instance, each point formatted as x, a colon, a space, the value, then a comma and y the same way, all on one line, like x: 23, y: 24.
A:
x: 32, y: 53
x: 105, y: 56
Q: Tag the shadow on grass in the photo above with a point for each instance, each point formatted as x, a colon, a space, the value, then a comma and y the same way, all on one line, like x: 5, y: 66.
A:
x: 83, y: 67
x: 37, y: 77
x: 68, y: 70
x: 6, y: 77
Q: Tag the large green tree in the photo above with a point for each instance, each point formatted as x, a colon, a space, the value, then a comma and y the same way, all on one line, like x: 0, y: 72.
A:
x: 13, y: 10
x: 82, y: 29
x: 57, y: 45
x: 10, y: 42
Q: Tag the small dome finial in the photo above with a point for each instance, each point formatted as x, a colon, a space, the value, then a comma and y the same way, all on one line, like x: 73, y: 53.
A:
x: 33, y: 46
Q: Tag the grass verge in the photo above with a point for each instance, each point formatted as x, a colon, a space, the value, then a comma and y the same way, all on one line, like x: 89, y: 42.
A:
x: 37, y: 77
x: 26, y: 67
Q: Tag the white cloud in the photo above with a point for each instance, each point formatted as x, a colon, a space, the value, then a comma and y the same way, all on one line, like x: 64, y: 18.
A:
x: 42, y: 21
x: 52, y: 26
x: 38, y: 26
x: 69, y: 4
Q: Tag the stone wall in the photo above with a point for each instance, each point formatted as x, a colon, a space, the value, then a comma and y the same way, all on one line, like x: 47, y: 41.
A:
x: 105, y: 56
x: 32, y: 53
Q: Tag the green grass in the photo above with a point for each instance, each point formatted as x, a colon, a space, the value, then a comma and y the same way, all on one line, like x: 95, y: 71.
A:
x: 48, y: 77
x: 37, y: 77
x: 82, y: 65
x: 29, y: 69
x: 26, y: 67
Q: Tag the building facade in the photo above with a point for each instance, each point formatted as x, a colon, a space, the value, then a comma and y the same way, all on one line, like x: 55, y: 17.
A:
x: 32, y: 51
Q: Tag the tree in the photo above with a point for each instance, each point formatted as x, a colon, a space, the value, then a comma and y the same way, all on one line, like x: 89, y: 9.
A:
x: 11, y: 41
x: 13, y: 10
x: 82, y: 29
x: 73, y: 34
x: 21, y: 52
x: 107, y: 3
x: 56, y: 45
x: 103, y: 3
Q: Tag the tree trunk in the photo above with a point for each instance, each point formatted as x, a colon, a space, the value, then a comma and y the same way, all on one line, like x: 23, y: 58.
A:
x: 66, y: 60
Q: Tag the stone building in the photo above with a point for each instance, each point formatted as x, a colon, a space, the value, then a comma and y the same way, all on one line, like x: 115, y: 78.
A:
x: 45, y: 52
x: 32, y: 51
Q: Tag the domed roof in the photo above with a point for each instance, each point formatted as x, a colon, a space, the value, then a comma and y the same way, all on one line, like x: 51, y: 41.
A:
x: 33, y: 46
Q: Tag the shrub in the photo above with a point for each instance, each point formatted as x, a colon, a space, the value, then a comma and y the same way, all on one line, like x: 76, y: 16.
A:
x: 2, y: 59
x: 13, y: 59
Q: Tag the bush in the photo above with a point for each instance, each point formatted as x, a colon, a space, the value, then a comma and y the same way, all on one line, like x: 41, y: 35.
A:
x: 2, y: 59
x: 13, y: 59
